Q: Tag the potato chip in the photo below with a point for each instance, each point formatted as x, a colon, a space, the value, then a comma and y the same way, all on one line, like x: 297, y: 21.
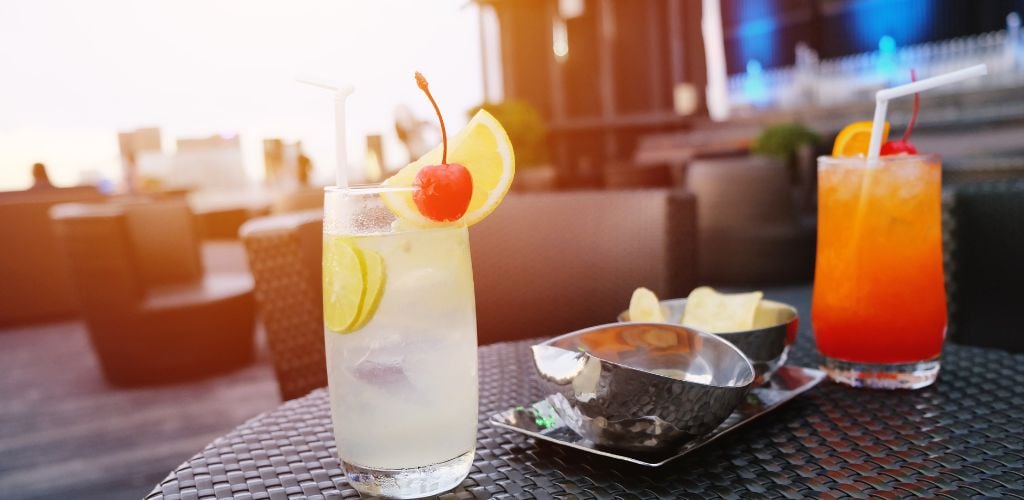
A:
x: 644, y: 307
x: 713, y: 312
x: 771, y: 314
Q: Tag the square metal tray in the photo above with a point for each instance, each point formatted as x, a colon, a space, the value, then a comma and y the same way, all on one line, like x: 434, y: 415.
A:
x: 540, y: 421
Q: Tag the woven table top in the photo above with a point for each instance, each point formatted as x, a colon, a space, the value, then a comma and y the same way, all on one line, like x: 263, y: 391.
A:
x: 962, y: 437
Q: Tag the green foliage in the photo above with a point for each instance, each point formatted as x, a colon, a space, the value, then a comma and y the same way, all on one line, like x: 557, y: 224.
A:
x: 782, y: 140
x: 525, y: 127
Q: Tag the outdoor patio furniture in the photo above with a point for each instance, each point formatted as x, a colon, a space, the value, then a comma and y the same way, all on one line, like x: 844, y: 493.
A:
x: 544, y: 263
x: 221, y: 223
x: 984, y: 245
x: 996, y: 168
x: 153, y: 314
x: 297, y: 200
x: 36, y: 283
x: 633, y: 176
x: 750, y: 230
x: 961, y: 437
x: 284, y: 255
x: 550, y: 263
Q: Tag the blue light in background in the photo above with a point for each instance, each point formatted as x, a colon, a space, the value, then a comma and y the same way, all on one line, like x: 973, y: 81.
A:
x: 755, y: 89
x: 887, y: 45
x: 905, y: 22
x: 756, y: 33
x: 887, y: 58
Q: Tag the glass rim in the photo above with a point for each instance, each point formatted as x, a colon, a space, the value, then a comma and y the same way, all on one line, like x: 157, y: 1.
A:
x: 368, y: 189
x: 861, y: 161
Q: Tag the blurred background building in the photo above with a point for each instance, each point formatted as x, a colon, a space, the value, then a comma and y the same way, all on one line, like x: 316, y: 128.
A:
x: 609, y: 75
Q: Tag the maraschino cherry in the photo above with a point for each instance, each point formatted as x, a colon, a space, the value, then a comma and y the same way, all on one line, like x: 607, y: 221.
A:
x: 442, y: 191
x: 904, y: 145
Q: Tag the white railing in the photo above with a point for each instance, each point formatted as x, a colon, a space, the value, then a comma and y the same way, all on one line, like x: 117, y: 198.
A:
x: 853, y: 78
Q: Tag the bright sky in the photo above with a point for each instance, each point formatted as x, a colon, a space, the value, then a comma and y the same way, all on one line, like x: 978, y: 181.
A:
x: 73, y: 73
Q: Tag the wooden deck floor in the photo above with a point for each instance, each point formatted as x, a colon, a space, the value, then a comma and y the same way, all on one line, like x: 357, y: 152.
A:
x: 66, y: 434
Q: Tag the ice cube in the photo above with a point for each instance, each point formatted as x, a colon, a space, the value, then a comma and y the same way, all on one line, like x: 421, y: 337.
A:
x: 388, y: 374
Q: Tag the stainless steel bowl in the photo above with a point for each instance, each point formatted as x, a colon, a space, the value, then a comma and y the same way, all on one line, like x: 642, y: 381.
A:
x: 766, y: 345
x: 642, y: 386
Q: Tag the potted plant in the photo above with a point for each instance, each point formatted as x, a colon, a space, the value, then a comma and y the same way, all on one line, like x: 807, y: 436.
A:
x: 794, y: 145
x: 527, y: 131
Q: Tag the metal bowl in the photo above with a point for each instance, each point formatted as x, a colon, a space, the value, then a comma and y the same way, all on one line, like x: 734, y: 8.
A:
x: 766, y: 345
x: 642, y: 386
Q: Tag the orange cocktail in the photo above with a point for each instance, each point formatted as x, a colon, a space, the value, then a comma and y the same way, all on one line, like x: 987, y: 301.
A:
x: 879, y: 309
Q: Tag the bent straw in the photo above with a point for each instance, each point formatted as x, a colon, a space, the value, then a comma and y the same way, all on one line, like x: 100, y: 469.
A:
x: 341, y: 93
x: 882, y: 98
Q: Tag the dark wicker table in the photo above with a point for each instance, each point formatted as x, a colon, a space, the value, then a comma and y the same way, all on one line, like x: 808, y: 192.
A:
x: 963, y: 437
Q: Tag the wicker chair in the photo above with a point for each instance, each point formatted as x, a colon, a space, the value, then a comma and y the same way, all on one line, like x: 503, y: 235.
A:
x: 983, y: 233
x: 544, y: 263
x: 284, y: 255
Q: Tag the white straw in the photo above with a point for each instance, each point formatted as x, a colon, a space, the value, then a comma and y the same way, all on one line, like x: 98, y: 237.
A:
x: 882, y: 98
x: 341, y: 93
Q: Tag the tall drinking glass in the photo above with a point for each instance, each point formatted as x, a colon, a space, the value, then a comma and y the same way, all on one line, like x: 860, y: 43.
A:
x: 400, y: 332
x: 879, y: 309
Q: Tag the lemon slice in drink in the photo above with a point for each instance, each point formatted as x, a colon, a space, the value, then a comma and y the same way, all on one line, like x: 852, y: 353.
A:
x: 353, y: 284
x: 373, y: 265
x: 644, y: 307
x: 484, y: 149
x: 344, y: 284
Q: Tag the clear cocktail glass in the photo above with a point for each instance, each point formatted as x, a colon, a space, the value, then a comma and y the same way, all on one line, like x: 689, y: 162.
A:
x: 879, y: 310
x: 400, y: 332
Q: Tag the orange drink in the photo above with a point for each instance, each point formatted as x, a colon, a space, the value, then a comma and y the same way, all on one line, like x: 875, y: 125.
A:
x: 879, y: 310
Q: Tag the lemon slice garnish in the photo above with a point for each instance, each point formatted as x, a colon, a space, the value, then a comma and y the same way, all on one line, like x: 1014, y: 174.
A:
x: 483, y: 147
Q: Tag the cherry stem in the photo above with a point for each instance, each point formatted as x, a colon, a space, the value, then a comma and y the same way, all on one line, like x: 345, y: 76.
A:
x: 913, y: 114
x: 421, y: 81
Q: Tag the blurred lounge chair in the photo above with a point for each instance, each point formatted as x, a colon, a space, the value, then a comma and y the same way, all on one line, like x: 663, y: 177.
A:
x: 631, y: 176
x: 750, y: 230
x: 36, y: 282
x: 551, y: 263
x: 982, y: 169
x: 983, y: 233
x: 544, y: 264
x: 153, y: 314
x: 222, y: 223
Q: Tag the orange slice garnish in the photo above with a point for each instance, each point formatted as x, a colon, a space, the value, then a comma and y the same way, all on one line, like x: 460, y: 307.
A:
x: 853, y: 140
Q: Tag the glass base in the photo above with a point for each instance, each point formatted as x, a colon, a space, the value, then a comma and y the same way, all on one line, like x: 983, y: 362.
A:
x: 416, y: 482
x: 882, y: 375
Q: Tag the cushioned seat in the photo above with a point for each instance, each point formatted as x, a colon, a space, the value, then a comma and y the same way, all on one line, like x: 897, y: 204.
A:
x: 210, y: 289
x: 750, y: 232
x: 36, y: 284
x: 153, y: 314
x: 983, y: 227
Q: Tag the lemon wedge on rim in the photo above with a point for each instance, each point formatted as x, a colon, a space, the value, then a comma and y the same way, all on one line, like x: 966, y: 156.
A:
x: 483, y: 147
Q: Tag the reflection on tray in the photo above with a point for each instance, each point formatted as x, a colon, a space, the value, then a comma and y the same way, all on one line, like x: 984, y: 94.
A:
x: 541, y: 421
